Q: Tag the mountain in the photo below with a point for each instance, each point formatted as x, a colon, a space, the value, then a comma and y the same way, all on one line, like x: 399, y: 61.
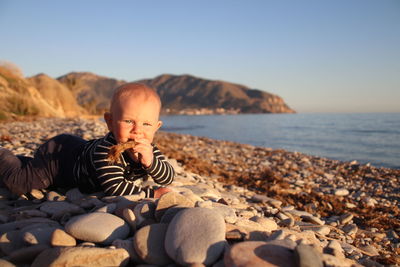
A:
x: 188, y: 92
x: 93, y: 92
x: 178, y: 93
x: 85, y: 93
x: 37, y: 96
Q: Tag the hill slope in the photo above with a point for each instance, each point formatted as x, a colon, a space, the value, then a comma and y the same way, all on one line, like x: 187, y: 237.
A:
x: 177, y: 92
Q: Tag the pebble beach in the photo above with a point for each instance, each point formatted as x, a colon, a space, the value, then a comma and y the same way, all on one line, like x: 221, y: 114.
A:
x: 232, y: 205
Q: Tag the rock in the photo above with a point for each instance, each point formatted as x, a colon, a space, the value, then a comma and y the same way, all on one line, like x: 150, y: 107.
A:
x: 4, y: 263
x: 341, y: 192
x: 269, y: 225
x: 312, y: 219
x: 81, y: 256
x: 308, y: 256
x: 54, y: 196
x: 169, y: 200
x: 196, y: 235
x: 204, y: 191
x: 11, y: 241
x: 170, y: 214
x: 149, y: 244
x: 228, y: 213
x: 97, y: 227
x: 259, y: 254
x: 264, y: 199
x: 22, y: 223
x: 59, y: 208
x: 331, y: 261
x: 74, y: 195
x: 109, y: 208
x: 37, y: 194
x: 37, y: 236
x: 60, y: 238
x: 350, y: 229
x: 130, y: 218
x: 127, y: 244
x: 346, y: 218
x: 334, y: 248
x: 26, y: 254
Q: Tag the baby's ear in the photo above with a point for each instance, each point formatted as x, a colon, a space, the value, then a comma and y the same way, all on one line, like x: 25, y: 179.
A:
x: 108, y: 119
x: 159, y: 124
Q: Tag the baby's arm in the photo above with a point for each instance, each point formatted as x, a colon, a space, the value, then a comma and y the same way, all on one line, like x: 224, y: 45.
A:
x: 160, y: 170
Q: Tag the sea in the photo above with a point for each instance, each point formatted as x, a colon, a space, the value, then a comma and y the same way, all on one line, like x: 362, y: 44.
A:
x: 363, y: 137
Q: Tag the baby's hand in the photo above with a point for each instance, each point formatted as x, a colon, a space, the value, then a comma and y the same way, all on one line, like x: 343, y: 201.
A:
x: 142, y: 152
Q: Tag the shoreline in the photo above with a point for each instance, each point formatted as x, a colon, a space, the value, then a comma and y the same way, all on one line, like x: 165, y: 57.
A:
x: 316, y: 185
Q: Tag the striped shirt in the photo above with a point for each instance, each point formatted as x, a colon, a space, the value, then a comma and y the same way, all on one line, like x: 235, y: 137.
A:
x: 94, y: 172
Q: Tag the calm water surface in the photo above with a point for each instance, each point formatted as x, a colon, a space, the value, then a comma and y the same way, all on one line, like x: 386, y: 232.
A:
x: 368, y: 138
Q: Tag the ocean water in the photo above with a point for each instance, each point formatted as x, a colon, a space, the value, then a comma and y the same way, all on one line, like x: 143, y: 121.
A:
x: 366, y: 137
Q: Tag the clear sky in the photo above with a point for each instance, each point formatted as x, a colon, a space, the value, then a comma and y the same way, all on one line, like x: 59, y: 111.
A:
x: 319, y: 56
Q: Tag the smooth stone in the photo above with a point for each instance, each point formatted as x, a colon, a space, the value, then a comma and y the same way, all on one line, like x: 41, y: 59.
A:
x: 341, y: 192
x: 322, y: 230
x: 268, y: 224
x: 11, y: 241
x: 38, y: 235
x: 60, y: 238
x: 308, y: 256
x: 81, y: 256
x: 149, y: 244
x: 34, y: 213
x: 127, y: 244
x: 26, y: 254
x: 109, y: 208
x: 169, y: 200
x: 4, y: 263
x: 196, y: 235
x: 204, y: 190
x: 129, y: 217
x: 350, y: 229
x: 22, y: 223
x: 74, y: 195
x: 259, y: 254
x: 332, y: 261
x: 97, y: 227
x: 37, y: 194
x: 228, y: 213
x: 170, y: 214
x: 334, y: 248
x: 346, y: 218
x: 59, y: 208
x: 54, y: 196
x: 313, y: 219
x: 264, y: 199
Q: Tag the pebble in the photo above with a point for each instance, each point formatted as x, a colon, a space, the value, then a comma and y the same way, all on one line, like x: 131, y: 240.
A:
x: 149, y: 244
x: 247, y: 215
x: 341, y: 192
x: 196, y: 235
x: 60, y: 238
x: 259, y: 254
x: 81, y: 256
x: 97, y: 227
x: 308, y: 256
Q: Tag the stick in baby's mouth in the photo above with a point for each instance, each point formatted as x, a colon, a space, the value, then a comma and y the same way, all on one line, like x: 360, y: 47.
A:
x: 116, y: 150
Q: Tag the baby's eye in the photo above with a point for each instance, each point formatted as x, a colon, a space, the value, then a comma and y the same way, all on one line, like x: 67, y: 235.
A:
x: 128, y: 121
x: 147, y: 124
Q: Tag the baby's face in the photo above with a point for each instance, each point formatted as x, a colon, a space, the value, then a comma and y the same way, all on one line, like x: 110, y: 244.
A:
x: 135, y: 118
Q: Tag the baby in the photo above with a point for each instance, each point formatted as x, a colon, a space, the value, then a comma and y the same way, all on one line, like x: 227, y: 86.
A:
x: 67, y: 161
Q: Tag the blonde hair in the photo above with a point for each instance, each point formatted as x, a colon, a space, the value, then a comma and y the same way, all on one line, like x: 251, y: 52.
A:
x: 133, y: 89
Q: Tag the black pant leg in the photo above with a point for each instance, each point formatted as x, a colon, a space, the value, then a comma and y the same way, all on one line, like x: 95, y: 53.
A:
x: 21, y: 177
x: 52, y: 164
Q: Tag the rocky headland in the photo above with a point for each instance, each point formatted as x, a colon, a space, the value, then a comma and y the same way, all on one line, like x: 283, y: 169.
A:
x: 232, y: 205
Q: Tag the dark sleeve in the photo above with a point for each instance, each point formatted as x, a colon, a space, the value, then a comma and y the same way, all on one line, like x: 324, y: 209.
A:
x: 160, y: 170
x: 110, y: 177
